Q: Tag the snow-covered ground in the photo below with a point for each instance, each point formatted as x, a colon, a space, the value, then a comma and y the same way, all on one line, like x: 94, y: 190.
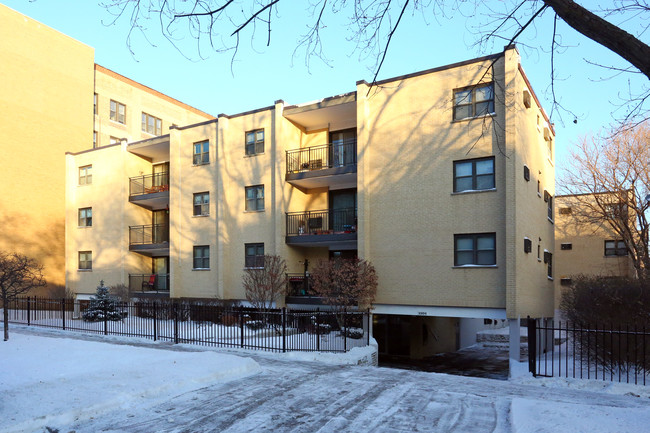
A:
x: 87, y: 383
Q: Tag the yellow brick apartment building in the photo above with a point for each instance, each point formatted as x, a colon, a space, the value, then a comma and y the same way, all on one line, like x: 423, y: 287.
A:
x: 53, y: 99
x: 443, y: 179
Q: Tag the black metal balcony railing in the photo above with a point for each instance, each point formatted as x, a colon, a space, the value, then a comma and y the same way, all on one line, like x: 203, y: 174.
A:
x: 149, y: 282
x: 339, y: 154
x: 149, y: 184
x: 149, y: 234
x: 298, y: 285
x: 320, y: 222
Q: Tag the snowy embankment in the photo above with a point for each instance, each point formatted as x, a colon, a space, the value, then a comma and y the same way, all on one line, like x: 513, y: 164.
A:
x: 55, y: 381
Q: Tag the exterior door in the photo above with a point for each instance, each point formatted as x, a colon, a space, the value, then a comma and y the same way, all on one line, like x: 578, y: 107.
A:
x: 343, y: 209
x: 343, y: 147
x: 161, y: 270
x: 160, y: 229
x: 161, y: 175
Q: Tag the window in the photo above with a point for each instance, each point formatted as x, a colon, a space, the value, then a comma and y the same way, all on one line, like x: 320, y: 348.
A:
x: 565, y: 211
x: 528, y: 245
x: 113, y: 140
x: 565, y: 281
x: 615, y: 211
x: 94, y: 139
x: 615, y: 248
x: 86, y: 175
x: 475, y: 249
x: 85, y: 260
x: 567, y: 246
x: 548, y: 259
x: 86, y: 217
x: 151, y: 124
x: 201, y: 256
x: 473, y: 102
x: 202, y: 203
x: 550, y: 207
x: 526, y: 173
x: 118, y: 112
x: 201, y: 153
x: 255, y: 142
x: 474, y: 174
x: 95, y: 103
x: 254, y: 255
x: 255, y: 198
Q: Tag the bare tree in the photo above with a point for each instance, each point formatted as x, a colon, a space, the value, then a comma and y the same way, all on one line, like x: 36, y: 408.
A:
x: 223, y: 24
x: 264, y: 286
x: 18, y: 275
x: 345, y: 283
x: 609, y: 179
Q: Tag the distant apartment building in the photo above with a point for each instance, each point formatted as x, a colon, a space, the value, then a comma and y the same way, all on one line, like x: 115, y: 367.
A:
x: 53, y: 99
x: 443, y: 179
x: 585, y: 245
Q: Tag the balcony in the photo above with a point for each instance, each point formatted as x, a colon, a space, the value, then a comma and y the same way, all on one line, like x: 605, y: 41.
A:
x: 149, y: 284
x: 333, y: 228
x: 151, y: 240
x: 150, y: 191
x: 332, y: 165
x: 299, y: 291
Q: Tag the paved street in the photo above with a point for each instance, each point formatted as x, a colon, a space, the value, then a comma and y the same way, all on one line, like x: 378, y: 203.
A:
x: 298, y: 396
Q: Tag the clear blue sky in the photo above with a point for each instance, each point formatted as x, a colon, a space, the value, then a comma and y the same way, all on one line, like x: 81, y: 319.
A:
x: 210, y: 85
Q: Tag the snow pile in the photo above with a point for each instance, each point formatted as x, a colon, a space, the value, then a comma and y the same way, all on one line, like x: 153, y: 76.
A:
x: 538, y: 416
x: 47, y: 381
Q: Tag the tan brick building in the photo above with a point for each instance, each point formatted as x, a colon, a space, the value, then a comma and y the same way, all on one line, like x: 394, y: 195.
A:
x: 48, y: 86
x: 443, y: 179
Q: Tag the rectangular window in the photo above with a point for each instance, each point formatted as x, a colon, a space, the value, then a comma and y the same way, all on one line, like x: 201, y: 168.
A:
x: 565, y: 211
x: 95, y: 103
x: 118, y: 112
x: 86, y: 175
x: 474, y: 174
x: 151, y: 124
x: 94, y: 139
x: 202, y: 203
x: 255, y: 198
x: 550, y: 207
x: 255, y: 142
x: 548, y: 259
x: 86, y: 217
x: 473, y: 102
x: 254, y: 255
x: 475, y: 249
x: 567, y: 246
x: 201, y: 256
x: 565, y: 281
x: 85, y: 260
x: 528, y: 245
x: 615, y: 248
x: 201, y: 153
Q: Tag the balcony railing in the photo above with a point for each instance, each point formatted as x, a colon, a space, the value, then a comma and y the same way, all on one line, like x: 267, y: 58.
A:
x: 332, y: 155
x: 149, y: 184
x: 322, y: 222
x: 298, y: 285
x: 149, y: 234
x: 149, y: 282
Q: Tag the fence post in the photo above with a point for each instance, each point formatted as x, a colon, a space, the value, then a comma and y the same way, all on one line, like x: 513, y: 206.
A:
x: 368, y: 331
x: 29, y: 309
x: 532, y: 346
x: 63, y: 312
x: 241, y: 326
x: 105, y: 318
x: 155, y: 322
x: 175, y: 314
x: 345, y: 329
x: 317, y: 330
x: 284, y: 329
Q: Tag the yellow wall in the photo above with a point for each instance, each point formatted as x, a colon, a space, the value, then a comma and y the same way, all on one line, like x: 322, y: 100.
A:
x: 46, y: 97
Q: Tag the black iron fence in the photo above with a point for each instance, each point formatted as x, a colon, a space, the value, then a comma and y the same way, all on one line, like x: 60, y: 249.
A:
x: 277, y: 330
x: 149, y: 184
x: 331, y: 155
x: 317, y: 222
x: 603, y: 352
x: 148, y: 234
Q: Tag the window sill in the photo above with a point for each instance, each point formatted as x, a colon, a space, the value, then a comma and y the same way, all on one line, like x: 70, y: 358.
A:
x: 254, y: 211
x: 86, y: 184
x: 483, y: 116
x: 549, y: 278
x: 245, y: 268
x: 84, y: 227
x: 475, y: 267
x: 200, y: 269
x: 539, y: 194
x: 200, y: 216
x: 550, y: 220
x: 202, y: 164
x: 84, y: 270
x: 473, y: 191
x: 253, y: 155
x: 117, y: 123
